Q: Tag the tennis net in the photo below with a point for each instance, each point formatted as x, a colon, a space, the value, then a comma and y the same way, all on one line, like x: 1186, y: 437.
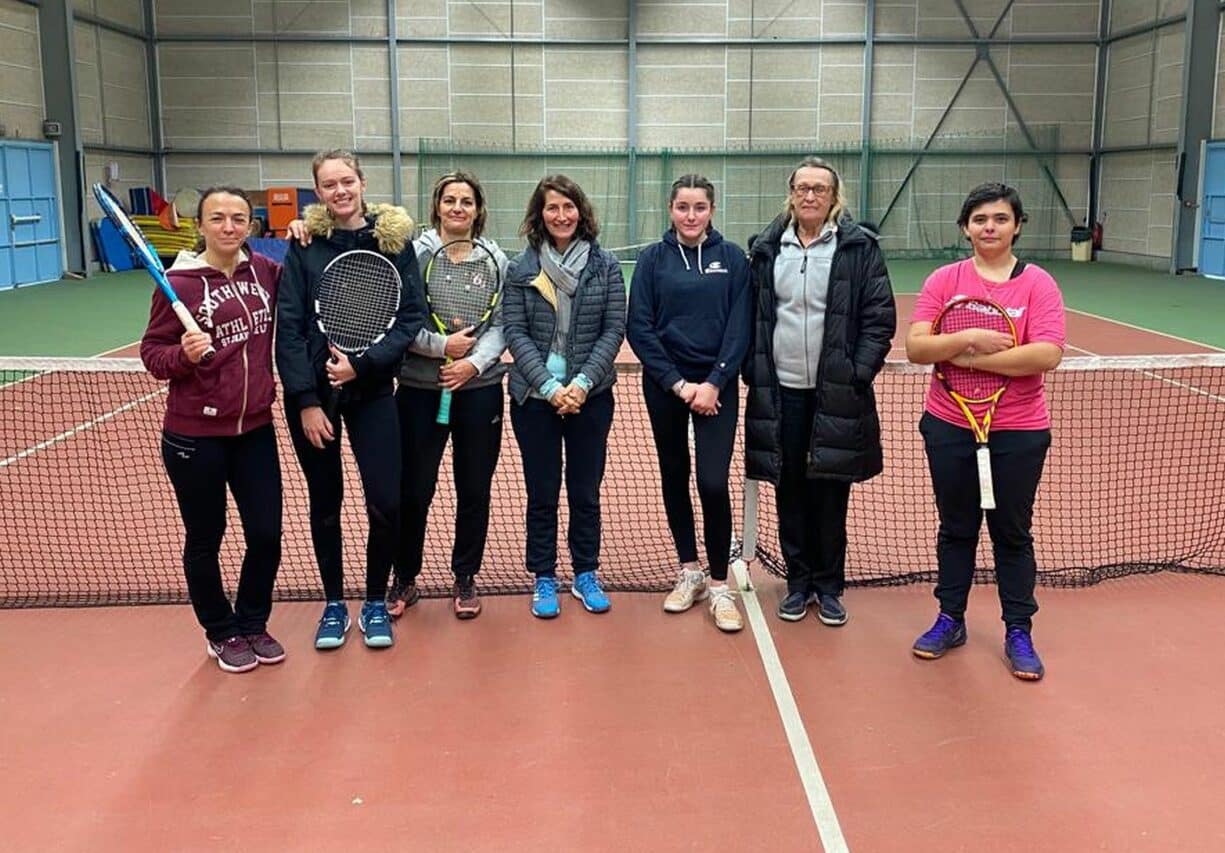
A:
x: 1134, y: 482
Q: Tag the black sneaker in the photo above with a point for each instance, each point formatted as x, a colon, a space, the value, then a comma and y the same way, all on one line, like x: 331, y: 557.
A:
x: 794, y: 607
x: 401, y: 595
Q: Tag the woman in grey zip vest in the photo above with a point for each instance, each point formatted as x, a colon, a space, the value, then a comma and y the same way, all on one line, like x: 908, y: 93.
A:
x: 474, y: 375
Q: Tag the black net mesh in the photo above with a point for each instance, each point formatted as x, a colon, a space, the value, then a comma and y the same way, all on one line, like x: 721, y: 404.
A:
x: 1135, y: 482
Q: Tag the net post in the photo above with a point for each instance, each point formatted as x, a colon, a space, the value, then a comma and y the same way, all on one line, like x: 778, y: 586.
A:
x: 748, y: 539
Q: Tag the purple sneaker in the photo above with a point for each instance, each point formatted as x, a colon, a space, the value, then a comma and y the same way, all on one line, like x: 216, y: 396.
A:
x: 233, y: 655
x: 266, y: 648
x: 1024, y: 661
x: 948, y: 633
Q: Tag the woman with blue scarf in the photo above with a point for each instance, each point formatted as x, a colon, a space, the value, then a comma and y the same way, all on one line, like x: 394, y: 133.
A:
x: 564, y: 322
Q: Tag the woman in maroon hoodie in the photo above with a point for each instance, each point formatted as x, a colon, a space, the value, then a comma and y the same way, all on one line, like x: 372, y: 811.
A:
x: 218, y: 425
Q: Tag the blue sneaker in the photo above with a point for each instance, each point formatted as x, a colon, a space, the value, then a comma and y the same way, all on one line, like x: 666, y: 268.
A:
x: 946, y: 634
x: 830, y: 610
x: 333, y: 625
x: 587, y: 590
x: 1019, y: 649
x: 794, y: 607
x: 375, y: 623
x: 544, y: 598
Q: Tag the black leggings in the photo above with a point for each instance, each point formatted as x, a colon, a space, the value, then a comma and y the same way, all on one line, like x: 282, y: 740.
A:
x: 713, y: 439
x: 374, y: 435
x: 200, y: 468
x: 476, y: 440
x: 1017, y: 458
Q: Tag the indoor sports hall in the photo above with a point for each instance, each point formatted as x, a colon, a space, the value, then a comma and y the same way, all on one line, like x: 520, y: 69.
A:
x: 633, y: 729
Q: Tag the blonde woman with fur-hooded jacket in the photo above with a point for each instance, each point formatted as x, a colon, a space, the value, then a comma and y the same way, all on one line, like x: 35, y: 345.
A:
x: 310, y: 374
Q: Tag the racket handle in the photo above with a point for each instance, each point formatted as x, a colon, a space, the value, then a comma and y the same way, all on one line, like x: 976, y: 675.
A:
x: 444, y: 407
x: 986, y: 488
x: 190, y: 324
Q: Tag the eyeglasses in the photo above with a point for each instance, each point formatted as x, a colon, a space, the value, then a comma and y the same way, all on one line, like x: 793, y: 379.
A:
x: 819, y: 190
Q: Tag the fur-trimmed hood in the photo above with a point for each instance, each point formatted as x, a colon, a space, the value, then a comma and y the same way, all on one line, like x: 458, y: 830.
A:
x: 392, y: 226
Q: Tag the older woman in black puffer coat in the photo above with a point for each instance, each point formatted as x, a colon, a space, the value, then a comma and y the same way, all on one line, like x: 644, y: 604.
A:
x: 823, y: 322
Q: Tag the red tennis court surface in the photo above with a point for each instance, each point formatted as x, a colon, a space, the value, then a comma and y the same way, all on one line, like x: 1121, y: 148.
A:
x: 635, y: 730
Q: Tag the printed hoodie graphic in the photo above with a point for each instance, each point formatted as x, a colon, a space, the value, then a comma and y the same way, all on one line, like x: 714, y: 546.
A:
x: 232, y: 393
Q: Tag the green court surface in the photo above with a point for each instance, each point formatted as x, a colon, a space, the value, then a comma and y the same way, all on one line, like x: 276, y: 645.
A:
x: 109, y: 310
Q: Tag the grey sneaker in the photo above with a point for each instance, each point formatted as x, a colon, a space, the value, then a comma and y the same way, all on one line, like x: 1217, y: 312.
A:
x: 233, y: 655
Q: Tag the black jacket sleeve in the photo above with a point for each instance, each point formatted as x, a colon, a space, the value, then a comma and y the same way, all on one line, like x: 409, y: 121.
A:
x: 877, y: 318
x: 293, y: 316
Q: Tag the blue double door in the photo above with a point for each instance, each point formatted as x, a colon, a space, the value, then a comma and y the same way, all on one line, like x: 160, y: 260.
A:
x: 1212, y: 212
x: 31, y: 238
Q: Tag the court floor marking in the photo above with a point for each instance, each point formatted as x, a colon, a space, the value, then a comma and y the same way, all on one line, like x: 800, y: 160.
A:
x: 80, y: 428
x: 819, y: 802
x: 1142, y: 329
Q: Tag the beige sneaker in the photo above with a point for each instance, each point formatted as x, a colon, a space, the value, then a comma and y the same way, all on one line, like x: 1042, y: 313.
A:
x: 723, y: 608
x: 690, y: 587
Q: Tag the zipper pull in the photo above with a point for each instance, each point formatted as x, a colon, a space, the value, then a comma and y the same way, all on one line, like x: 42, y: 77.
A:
x: 804, y: 264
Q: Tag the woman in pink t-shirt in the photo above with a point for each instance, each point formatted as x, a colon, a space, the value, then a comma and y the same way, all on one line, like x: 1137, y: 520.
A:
x: 991, y: 219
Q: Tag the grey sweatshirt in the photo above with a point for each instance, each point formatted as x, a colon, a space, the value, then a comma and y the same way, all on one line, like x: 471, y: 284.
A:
x: 801, y: 284
x: 427, y: 353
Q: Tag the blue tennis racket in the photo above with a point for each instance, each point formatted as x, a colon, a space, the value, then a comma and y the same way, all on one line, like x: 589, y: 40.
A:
x: 148, y: 258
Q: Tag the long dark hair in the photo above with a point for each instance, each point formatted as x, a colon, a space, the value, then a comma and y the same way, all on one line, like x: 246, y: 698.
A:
x: 533, y: 229
x: 478, y: 194
x: 226, y: 190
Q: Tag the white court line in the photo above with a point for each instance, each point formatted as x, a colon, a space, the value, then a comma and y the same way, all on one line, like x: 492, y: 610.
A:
x: 819, y: 802
x: 79, y: 428
x: 114, y: 349
x: 1194, y: 389
x: 1143, y: 329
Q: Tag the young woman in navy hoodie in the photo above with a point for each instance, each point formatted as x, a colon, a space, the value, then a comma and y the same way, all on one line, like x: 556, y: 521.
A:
x: 689, y: 326
x: 218, y: 425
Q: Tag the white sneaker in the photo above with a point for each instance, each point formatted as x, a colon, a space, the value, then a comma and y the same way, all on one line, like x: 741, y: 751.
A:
x: 690, y: 587
x: 723, y: 608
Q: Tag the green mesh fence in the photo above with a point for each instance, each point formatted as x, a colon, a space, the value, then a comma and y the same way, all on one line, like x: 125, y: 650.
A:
x: 912, y: 192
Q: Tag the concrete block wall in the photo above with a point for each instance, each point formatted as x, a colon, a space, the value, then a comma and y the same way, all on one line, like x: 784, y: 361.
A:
x: 21, y: 98
x: 254, y: 96
x: 1142, y: 108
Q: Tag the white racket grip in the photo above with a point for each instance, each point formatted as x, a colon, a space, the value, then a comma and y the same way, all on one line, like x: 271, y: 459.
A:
x: 986, y: 488
x: 190, y: 324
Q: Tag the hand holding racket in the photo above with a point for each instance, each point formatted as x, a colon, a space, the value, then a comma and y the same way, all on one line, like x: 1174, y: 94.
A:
x: 148, y: 258
x: 358, y: 297
x: 976, y: 392
x: 462, y: 287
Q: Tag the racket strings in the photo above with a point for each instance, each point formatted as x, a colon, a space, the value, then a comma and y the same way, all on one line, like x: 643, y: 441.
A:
x: 461, y: 293
x: 359, y: 295
x: 971, y: 384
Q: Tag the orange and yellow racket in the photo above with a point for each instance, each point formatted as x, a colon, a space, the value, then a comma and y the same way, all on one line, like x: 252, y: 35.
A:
x: 976, y: 392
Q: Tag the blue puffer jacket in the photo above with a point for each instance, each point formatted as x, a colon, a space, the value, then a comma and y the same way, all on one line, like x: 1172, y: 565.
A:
x: 597, y: 324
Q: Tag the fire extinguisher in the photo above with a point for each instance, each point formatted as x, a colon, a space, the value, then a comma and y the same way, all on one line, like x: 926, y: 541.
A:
x: 1098, y: 228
